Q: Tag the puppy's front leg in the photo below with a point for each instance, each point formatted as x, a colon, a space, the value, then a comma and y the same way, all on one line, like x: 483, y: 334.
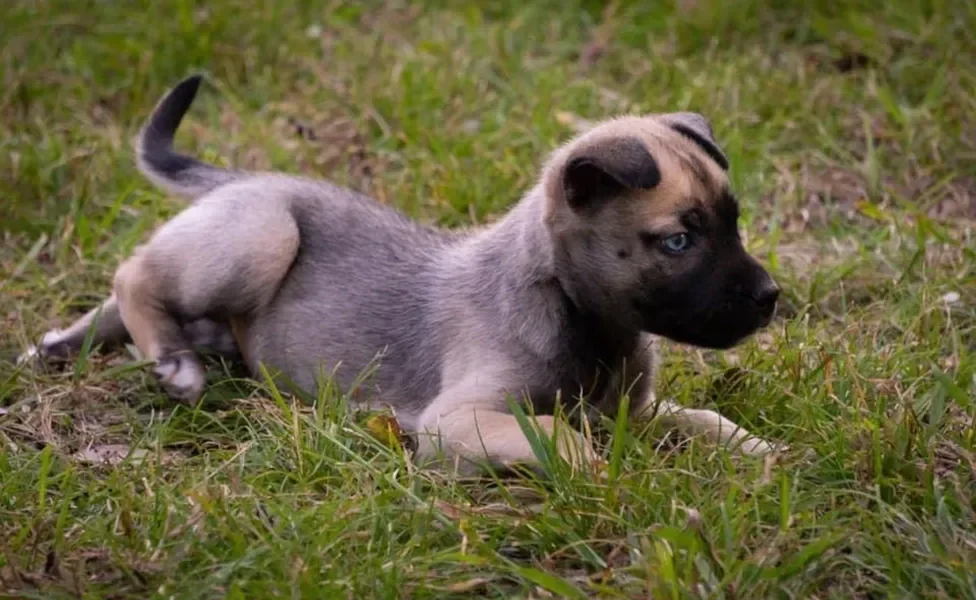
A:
x: 466, y: 432
x: 708, y: 423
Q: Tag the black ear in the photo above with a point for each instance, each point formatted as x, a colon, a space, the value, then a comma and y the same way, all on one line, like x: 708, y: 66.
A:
x: 696, y: 128
x: 608, y: 169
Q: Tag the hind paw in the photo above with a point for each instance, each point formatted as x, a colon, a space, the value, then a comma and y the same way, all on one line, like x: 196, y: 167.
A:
x: 181, y: 376
x: 54, y: 345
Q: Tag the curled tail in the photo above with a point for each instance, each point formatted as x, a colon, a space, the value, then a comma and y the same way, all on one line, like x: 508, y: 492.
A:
x: 168, y: 169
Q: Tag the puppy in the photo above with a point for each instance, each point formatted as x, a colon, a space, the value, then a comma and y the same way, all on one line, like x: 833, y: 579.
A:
x: 630, y: 233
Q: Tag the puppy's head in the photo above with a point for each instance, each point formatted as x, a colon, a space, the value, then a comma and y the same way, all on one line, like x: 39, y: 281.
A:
x: 644, y: 228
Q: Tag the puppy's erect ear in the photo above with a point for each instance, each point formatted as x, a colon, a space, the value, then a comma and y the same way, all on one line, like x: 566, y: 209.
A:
x: 697, y: 128
x: 606, y: 169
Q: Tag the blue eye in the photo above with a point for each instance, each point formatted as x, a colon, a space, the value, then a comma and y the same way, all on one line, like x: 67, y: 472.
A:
x: 676, y: 243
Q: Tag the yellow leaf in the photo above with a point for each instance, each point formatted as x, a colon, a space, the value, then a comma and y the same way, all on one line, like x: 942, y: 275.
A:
x: 871, y: 210
x: 574, y: 122
x: 469, y: 585
x: 385, y: 429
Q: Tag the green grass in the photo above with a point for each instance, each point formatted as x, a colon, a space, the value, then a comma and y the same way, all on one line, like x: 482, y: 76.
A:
x: 852, y: 137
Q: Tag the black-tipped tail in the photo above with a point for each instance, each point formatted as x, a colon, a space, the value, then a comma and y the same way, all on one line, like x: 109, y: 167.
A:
x: 175, y: 172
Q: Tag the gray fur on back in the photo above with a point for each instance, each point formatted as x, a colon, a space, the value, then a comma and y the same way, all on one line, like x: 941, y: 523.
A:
x: 374, y: 291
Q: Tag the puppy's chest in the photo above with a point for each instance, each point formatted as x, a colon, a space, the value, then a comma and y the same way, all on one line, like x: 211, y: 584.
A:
x: 598, y: 379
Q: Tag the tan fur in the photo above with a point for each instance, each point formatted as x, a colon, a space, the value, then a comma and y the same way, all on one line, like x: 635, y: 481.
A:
x: 673, y: 152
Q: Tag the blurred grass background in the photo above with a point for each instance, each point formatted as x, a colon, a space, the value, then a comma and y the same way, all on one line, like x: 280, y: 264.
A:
x: 850, y: 129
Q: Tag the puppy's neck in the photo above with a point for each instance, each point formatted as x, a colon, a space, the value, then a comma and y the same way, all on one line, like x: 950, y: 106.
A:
x: 516, y: 252
x: 514, y: 262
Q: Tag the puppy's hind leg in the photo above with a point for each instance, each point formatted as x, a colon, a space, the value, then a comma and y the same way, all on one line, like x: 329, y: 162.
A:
x: 220, y: 258
x: 110, y: 331
x: 59, y: 343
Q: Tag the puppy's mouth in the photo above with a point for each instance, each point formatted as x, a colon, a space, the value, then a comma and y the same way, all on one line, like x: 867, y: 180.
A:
x: 766, y: 318
x: 719, y: 329
x: 708, y: 313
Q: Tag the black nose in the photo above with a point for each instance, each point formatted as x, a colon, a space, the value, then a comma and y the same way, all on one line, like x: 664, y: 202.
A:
x: 766, y: 293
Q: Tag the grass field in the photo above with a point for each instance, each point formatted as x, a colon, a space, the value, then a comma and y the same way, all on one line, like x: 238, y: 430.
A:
x: 852, y: 137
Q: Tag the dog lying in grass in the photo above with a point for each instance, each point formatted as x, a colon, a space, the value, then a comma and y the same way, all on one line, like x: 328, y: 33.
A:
x: 629, y: 234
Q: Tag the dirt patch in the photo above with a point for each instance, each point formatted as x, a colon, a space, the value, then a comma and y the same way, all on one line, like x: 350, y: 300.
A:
x: 391, y: 18
x: 81, y: 421
x: 75, y: 572
x: 244, y: 153
x: 65, y: 417
x: 824, y: 194
x: 830, y: 194
x: 958, y: 201
x: 324, y: 145
x: 331, y: 146
x: 948, y: 456
x: 823, y: 279
x: 600, y: 38
x: 835, y: 190
x: 808, y: 255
